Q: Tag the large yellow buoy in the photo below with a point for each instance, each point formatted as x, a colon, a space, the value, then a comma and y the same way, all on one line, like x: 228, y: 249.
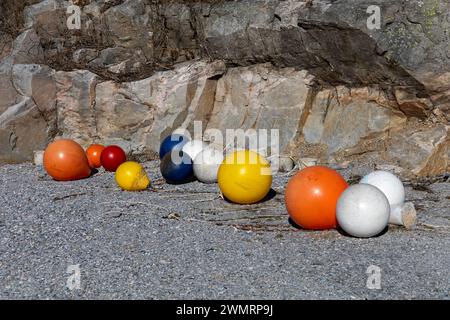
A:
x: 244, y: 177
x: 131, y: 176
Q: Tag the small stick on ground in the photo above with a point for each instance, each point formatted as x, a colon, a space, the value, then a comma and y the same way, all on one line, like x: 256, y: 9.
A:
x: 432, y: 226
x: 69, y: 196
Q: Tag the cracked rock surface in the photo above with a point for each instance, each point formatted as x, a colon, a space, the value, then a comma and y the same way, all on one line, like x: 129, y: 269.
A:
x: 137, y: 70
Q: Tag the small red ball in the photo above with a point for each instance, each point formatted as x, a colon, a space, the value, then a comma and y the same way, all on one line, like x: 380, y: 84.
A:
x: 112, y: 157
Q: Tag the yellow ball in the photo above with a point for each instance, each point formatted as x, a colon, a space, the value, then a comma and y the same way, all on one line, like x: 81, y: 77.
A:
x: 131, y: 176
x: 245, y: 177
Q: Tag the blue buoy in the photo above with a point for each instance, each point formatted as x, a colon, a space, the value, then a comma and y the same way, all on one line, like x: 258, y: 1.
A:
x: 170, y: 142
x: 177, y: 168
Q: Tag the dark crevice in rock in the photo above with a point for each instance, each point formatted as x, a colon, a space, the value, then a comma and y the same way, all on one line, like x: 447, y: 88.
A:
x: 11, y: 22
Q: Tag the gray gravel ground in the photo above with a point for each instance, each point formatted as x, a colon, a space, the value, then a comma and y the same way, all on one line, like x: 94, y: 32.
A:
x: 185, y: 242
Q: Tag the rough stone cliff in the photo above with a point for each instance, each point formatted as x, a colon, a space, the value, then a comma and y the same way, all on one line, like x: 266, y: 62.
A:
x: 137, y: 69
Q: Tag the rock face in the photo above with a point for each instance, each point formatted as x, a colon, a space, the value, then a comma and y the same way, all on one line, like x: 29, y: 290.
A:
x: 341, y: 117
x: 75, y: 102
x: 135, y: 115
x: 422, y: 150
x: 260, y: 97
x: 335, y: 89
x: 27, y: 121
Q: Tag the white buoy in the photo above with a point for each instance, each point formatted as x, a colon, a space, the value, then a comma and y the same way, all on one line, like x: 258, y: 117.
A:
x: 193, y: 148
x: 362, y: 211
x: 402, y: 213
x: 207, y: 163
x: 389, y: 184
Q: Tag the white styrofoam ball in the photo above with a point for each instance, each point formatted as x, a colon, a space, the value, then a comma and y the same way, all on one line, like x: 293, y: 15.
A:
x: 193, y: 148
x: 207, y: 163
x: 362, y: 211
x: 389, y: 184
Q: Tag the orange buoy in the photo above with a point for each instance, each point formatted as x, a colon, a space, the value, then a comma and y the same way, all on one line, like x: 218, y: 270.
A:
x: 93, y: 154
x: 311, y: 197
x: 65, y: 160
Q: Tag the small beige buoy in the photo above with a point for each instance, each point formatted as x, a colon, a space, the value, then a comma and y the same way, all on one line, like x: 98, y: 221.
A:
x: 281, y: 164
x: 307, y: 162
x: 38, y: 157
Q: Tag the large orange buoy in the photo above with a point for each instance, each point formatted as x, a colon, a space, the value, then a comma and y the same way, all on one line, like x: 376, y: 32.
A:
x: 311, y: 197
x: 65, y: 160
